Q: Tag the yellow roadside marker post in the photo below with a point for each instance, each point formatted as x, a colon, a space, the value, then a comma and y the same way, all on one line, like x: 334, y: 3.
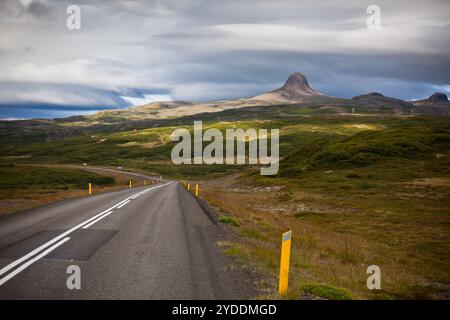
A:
x: 284, y: 262
x: 189, y: 186
x: 130, y: 183
x: 145, y: 182
x: 196, y: 190
x: 90, y: 188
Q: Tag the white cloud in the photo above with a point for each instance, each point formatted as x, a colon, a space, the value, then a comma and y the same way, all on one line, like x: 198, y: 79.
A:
x: 32, y: 93
x: 147, y: 98
x: 203, y: 50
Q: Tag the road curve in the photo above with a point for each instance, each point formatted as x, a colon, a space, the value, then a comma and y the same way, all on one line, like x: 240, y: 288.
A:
x: 142, y: 243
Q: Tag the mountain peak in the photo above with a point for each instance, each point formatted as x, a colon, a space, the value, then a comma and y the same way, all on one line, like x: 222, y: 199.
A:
x: 438, y: 97
x: 296, y: 89
x: 375, y: 94
x: 296, y: 79
x: 297, y: 86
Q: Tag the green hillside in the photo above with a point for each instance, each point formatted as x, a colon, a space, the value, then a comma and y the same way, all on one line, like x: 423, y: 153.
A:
x: 356, y: 189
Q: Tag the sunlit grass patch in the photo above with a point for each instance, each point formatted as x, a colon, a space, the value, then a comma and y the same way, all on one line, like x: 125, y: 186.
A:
x: 326, y: 292
x: 229, y: 220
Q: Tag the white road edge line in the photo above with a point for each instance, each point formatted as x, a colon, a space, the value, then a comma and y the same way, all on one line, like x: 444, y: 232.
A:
x: 45, y: 245
x: 30, y: 262
x: 97, y: 220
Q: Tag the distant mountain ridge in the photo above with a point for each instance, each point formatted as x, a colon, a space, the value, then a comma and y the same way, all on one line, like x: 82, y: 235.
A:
x: 295, y: 91
x: 376, y: 99
x: 437, y: 103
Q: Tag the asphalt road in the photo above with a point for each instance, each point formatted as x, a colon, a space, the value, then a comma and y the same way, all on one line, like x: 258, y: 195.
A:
x: 126, y: 173
x: 151, y: 242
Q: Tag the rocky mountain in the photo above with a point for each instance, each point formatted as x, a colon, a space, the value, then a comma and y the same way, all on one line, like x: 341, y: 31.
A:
x: 296, y: 86
x: 295, y: 89
x: 438, y: 97
x: 379, y: 101
x: 435, y: 98
x: 436, y: 104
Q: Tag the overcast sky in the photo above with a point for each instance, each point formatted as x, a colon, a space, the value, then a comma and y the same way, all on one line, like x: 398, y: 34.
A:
x: 131, y: 52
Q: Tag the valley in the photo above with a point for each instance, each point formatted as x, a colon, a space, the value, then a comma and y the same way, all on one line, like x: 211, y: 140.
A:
x: 357, y: 184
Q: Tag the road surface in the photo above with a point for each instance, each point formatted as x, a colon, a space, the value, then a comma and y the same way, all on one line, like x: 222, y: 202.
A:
x: 152, y: 242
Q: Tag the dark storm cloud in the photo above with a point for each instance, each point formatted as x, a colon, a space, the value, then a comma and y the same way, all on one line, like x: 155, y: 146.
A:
x: 136, y: 51
x: 38, y: 8
x: 24, y: 93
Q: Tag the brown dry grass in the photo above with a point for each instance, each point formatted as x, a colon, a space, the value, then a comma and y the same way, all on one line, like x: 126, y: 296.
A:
x: 333, y: 247
x: 30, y: 198
x: 34, y: 199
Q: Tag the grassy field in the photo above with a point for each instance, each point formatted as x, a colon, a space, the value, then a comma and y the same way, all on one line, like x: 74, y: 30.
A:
x: 23, y: 186
x: 353, y: 195
x: 338, y: 233
x: 356, y: 190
